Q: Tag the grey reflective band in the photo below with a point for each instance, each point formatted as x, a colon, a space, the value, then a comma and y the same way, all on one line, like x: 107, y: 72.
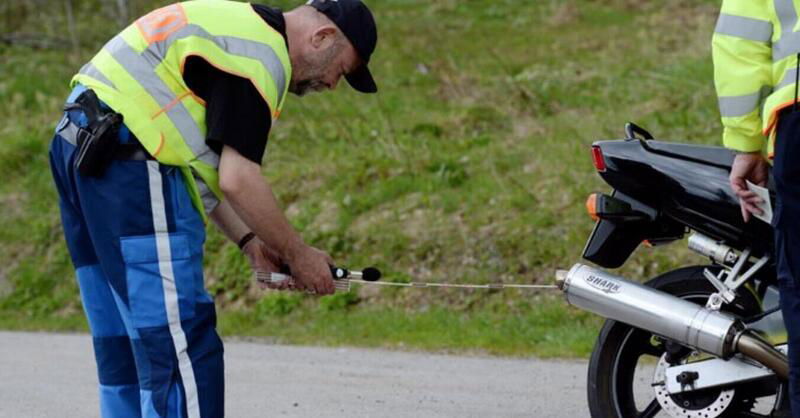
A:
x: 210, y: 200
x: 788, y: 79
x: 170, y: 290
x: 744, y: 27
x: 90, y: 70
x: 141, y: 69
x: 232, y: 45
x: 69, y: 133
x: 736, y: 106
x: 787, y: 15
x: 262, y: 52
x: 788, y: 45
x: 789, y: 42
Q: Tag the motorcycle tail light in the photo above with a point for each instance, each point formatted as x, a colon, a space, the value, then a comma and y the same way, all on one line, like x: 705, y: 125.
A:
x: 597, y: 158
x: 591, y: 206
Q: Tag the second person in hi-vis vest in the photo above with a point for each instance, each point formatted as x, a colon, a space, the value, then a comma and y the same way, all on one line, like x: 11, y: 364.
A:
x: 756, y: 49
x: 165, y: 128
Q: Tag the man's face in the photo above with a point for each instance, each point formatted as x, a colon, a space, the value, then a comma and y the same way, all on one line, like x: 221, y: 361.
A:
x: 329, y: 56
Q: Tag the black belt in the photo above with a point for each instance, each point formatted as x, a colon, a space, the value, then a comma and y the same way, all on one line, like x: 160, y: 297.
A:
x: 132, y: 151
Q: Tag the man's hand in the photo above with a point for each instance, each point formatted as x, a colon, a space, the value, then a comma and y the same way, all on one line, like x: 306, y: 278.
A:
x: 311, y: 269
x: 253, y: 201
x: 263, y: 259
x: 753, y: 167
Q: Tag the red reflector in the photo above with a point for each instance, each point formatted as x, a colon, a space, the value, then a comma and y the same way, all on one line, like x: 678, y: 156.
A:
x: 597, y: 157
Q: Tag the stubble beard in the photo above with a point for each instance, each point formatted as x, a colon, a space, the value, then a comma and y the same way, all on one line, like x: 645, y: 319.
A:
x: 307, y: 86
x: 312, y: 71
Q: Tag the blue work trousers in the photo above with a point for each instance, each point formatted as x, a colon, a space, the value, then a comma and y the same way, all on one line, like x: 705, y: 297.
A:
x: 786, y: 172
x: 136, y: 242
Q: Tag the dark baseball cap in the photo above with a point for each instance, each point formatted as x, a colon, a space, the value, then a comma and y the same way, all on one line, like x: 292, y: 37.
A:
x: 356, y: 23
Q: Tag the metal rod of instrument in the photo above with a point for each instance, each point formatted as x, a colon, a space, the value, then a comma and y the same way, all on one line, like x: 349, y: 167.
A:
x: 461, y: 286
x: 369, y: 277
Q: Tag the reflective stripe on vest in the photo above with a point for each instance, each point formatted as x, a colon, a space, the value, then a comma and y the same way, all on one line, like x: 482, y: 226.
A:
x: 789, y: 42
x: 143, y: 70
x: 209, y: 199
x: 736, y: 106
x: 90, y: 70
x: 787, y: 15
x: 788, y: 78
x: 154, y: 64
x: 234, y: 46
x: 744, y: 27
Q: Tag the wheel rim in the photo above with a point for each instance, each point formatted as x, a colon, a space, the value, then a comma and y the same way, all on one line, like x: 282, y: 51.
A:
x: 636, y: 345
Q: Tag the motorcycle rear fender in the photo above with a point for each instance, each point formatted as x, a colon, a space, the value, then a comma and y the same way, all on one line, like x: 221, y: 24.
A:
x: 613, y: 240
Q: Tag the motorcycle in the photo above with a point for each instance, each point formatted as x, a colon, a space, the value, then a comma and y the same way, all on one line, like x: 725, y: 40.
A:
x: 700, y: 341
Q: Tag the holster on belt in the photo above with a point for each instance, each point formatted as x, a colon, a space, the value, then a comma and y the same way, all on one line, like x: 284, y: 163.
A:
x: 99, y: 140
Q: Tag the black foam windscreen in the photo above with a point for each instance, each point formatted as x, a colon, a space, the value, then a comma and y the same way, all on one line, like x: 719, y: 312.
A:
x: 371, y: 274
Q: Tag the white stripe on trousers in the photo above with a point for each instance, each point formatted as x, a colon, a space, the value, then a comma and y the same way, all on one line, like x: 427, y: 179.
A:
x: 170, y: 291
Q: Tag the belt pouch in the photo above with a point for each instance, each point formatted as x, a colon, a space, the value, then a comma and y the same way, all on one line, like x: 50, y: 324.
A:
x: 98, y: 141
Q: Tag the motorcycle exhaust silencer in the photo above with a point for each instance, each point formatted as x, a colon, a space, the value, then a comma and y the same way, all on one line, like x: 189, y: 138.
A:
x: 615, y: 298
x: 643, y: 307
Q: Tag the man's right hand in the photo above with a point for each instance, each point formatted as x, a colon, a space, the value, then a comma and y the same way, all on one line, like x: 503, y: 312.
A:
x: 311, y: 270
x: 755, y: 168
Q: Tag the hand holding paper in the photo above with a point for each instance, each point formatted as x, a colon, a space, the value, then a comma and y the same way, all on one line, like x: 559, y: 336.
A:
x: 765, y: 205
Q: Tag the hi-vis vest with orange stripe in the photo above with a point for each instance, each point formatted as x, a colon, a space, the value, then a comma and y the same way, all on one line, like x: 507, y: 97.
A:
x: 755, y: 49
x: 139, y: 74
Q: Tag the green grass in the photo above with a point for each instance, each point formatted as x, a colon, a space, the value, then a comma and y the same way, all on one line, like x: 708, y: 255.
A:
x: 471, y: 165
x: 540, y: 330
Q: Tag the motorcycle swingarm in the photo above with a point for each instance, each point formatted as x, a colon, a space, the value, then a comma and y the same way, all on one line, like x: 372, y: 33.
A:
x: 715, y: 372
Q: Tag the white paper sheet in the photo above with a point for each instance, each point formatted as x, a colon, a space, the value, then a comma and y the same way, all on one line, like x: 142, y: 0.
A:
x: 766, y: 205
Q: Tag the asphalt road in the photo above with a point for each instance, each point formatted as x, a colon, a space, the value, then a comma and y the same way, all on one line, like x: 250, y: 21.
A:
x: 53, y: 375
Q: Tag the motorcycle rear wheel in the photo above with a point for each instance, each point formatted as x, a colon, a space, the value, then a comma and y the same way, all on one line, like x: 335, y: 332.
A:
x: 621, y: 347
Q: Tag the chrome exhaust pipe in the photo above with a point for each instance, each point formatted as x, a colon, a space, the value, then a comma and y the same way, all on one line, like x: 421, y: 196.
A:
x: 752, y: 345
x: 643, y: 307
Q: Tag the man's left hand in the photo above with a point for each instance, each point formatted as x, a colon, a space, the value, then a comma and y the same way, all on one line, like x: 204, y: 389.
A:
x: 263, y: 259
x: 751, y: 167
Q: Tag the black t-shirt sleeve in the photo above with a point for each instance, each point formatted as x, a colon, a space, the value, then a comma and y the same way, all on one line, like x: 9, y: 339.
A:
x: 236, y: 114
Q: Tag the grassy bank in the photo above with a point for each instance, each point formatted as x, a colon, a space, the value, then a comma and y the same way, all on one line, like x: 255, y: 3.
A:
x: 470, y: 166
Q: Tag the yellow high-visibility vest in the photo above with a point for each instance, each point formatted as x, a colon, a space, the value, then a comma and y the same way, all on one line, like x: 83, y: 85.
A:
x: 139, y: 73
x: 755, y: 49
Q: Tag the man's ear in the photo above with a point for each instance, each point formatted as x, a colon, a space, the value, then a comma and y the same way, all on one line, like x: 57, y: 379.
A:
x: 324, y: 37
